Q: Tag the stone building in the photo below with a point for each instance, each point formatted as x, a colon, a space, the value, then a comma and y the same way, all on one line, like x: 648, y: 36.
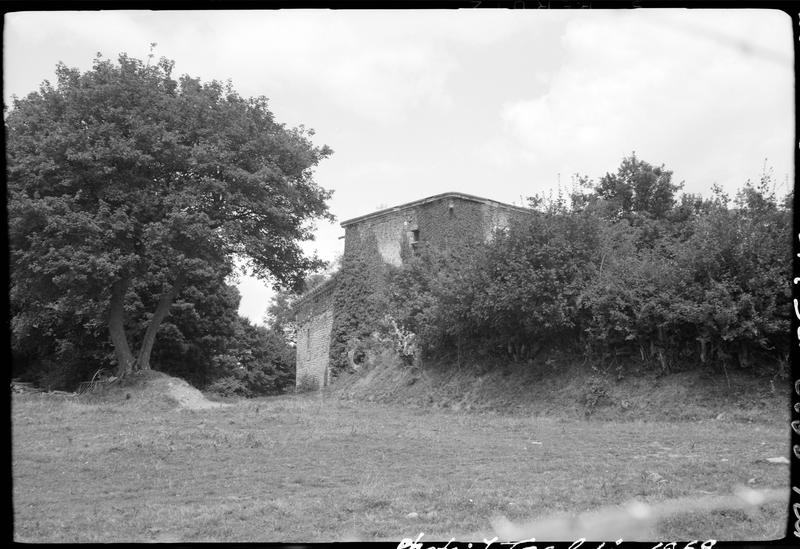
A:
x: 314, y: 317
x: 390, y: 236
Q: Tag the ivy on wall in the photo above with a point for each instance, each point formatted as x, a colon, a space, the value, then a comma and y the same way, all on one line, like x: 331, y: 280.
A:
x: 357, y: 299
x: 443, y: 227
x: 365, y: 299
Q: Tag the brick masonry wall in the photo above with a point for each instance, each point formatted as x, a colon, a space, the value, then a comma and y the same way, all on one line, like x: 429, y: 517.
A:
x: 435, y: 224
x: 387, y: 235
x: 314, y: 320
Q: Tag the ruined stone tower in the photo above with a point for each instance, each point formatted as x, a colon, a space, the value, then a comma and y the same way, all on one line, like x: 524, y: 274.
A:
x: 387, y: 237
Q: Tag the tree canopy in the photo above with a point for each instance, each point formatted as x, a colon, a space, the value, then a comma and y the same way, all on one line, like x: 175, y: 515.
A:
x: 638, y: 187
x: 124, y: 175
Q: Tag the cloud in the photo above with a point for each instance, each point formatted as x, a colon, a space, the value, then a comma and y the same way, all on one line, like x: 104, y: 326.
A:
x: 379, y: 66
x: 32, y: 38
x: 377, y: 71
x: 374, y: 65
x: 386, y: 85
x: 69, y: 28
x: 678, y: 88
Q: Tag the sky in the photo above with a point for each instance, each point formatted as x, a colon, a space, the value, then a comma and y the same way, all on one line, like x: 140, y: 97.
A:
x: 501, y: 104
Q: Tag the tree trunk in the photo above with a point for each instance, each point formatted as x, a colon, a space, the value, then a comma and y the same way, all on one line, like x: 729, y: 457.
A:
x: 116, y: 327
x: 161, y: 312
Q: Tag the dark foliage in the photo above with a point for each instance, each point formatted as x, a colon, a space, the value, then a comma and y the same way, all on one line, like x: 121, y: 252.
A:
x: 130, y: 195
x: 624, y: 270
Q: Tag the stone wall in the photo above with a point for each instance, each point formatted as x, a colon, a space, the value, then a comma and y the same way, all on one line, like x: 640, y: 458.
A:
x: 441, y: 223
x: 452, y: 221
x: 387, y: 235
x: 314, y: 315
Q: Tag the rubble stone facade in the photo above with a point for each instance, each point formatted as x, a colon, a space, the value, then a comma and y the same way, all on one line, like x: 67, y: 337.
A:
x: 314, y: 316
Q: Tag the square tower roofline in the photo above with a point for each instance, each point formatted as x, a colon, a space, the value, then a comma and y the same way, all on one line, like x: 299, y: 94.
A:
x: 434, y: 198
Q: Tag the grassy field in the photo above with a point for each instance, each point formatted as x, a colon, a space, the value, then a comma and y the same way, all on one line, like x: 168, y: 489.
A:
x: 317, y: 468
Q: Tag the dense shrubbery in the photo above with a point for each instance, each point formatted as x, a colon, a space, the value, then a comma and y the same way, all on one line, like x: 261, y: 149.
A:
x: 203, y: 340
x: 622, y: 269
x: 258, y: 362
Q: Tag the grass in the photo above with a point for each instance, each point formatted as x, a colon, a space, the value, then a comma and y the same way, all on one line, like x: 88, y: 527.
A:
x: 560, y: 387
x: 317, y: 468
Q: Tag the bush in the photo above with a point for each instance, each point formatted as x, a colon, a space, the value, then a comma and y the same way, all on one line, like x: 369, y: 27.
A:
x: 627, y: 272
x: 595, y: 395
x: 229, y: 386
x: 307, y: 383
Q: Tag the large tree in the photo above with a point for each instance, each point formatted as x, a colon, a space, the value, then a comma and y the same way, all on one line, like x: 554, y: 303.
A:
x: 123, y: 173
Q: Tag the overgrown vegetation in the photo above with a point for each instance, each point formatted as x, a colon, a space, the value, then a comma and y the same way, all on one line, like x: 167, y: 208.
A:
x: 617, y: 271
x: 203, y: 341
x: 358, y: 303
x: 131, y: 194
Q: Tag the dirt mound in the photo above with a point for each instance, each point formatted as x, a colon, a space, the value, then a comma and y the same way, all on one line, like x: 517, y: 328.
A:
x: 152, y: 388
x: 189, y: 397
